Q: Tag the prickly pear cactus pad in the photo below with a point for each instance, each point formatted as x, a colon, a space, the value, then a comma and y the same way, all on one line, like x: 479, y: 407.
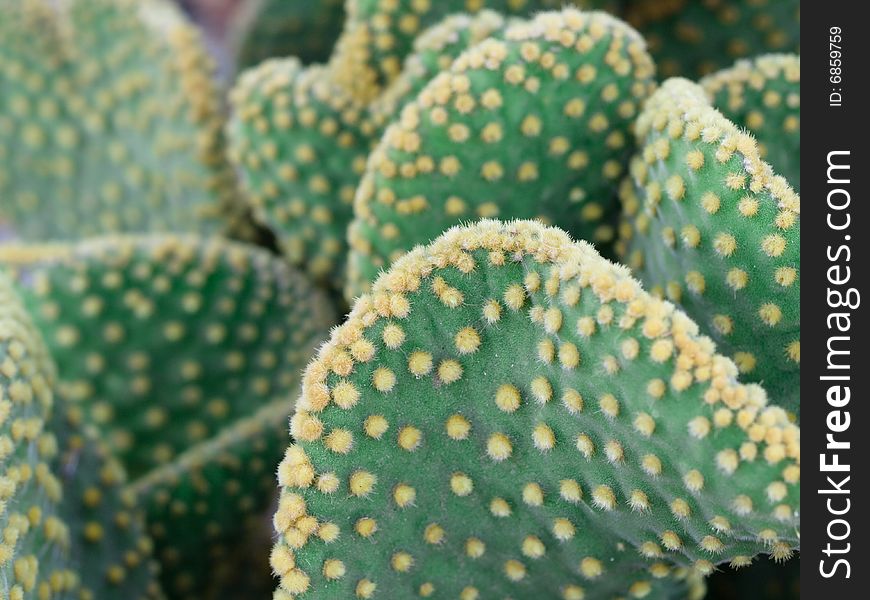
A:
x: 34, y: 552
x: 764, y: 96
x: 378, y: 35
x: 434, y: 51
x: 508, y: 414
x: 164, y: 341
x: 109, y: 549
x: 300, y: 28
x: 298, y: 140
x: 197, y: 503
x: 109, y: 120
x: 709, y: 225
x: 691, y: 38
x: 535, y: 125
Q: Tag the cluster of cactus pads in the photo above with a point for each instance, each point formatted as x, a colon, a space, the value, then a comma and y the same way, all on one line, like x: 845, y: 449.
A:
x: 70, y: 528
x: 503, y: 412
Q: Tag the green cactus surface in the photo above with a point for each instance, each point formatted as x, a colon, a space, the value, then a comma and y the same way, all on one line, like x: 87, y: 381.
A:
x: 543, y: 114
x: 764, y: 96
x: 276, y: 28
x: 378, y: 35
x: 109, y: 121
x: 109, y: 550
x: 509, y: 414
x: 690, y: 38
x: 434, y: 51
x: 202, y: 506
x: 300, y: 143
x: 34, y: 552
x: 68, y: 529
x: 709, y: 225
x: 763, y: 580
x: 163, y: 341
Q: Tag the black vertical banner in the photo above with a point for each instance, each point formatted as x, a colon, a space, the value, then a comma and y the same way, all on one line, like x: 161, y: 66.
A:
x: 835, y: 420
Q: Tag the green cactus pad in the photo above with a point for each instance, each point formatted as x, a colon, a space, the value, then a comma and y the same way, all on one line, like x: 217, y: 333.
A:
x: 201, y: 506
x: 169, y: 340
x: 536, y: 125
x: 691, y: 38
x: 34, y: 551
x: 246, y: 572
x: 109, y: 120
x: 709, y: 225
x: 764, y: 96
x: 434, y: 51
x: 299, y: 142
x: 109, y: 548
x: 68, y: 530
x: 378, y: 35
x: 508, y: 414
x: 164, y: 341
x: 274, y: 28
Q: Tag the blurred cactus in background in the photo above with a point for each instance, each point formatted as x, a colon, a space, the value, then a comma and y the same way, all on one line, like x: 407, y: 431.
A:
x: 712, y: 227
x: 192, y: 196
x: 116, y: 122
x: 300, y: 28
x: 506, y: 396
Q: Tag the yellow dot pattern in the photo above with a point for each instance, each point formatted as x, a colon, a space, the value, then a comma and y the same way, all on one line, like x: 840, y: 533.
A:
x: 690, y: 39
x: 516, y: 480
x: 218, y: 490
x: 763, y: 95
x: 35, y: 540
x: 268, y: 28
x: 300, y: 143
x: 164, y: 340
x: 735, y: 264
x: 116, y: 118
x: 434, y: 51
x: 110, y: 552
x: 459, y: 151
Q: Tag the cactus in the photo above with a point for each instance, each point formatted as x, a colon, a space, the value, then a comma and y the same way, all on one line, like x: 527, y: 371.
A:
x: 273, y: 28
x: 175, y: 347
x: 710, y: 226
x: 299, y: 141
x: 378, y: 35
x: 764, y: 580
x: 115, y: 122
x: 35, y: 540
x: 510, y: 414
x: 691, y: 38
x: 512, y: 120
x: 201, y: 506
x: 109, y: 551
x: 434, y: 51
x: 165, y: 340
x: 68, y: 530
x: 764, y: 96
x: 504, y: 412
